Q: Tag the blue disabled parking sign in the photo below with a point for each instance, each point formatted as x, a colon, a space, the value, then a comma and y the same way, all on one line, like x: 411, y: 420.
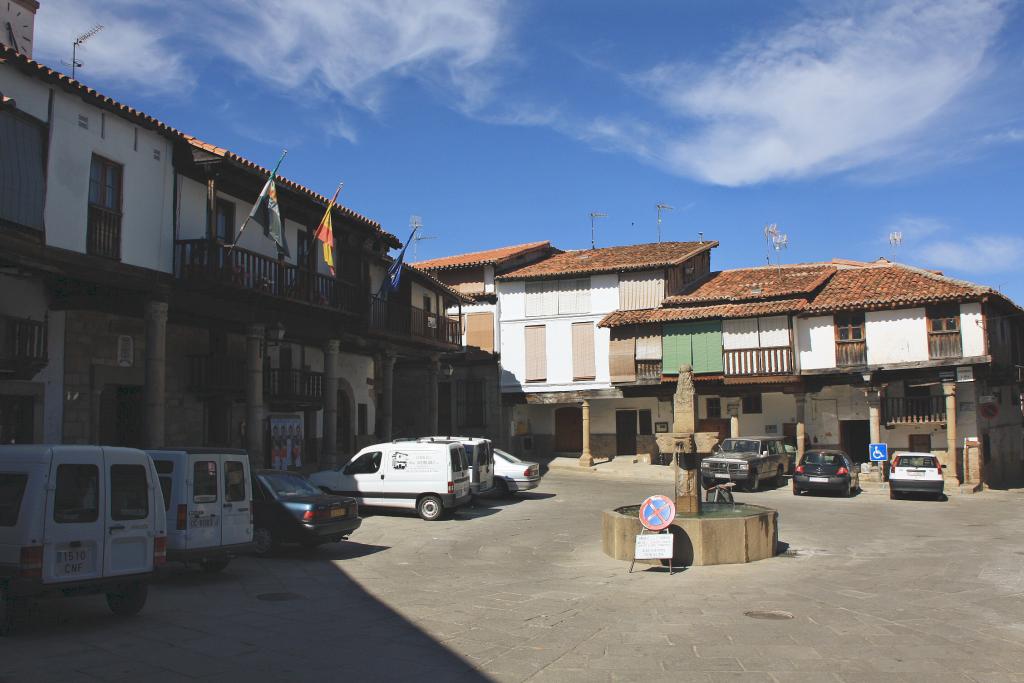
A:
x: 878, y: 452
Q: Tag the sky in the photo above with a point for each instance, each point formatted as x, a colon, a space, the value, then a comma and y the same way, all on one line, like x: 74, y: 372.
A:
x: 501, y: 122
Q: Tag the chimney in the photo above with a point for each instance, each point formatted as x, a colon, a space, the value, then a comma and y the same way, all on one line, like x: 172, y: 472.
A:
x: 17, y: 24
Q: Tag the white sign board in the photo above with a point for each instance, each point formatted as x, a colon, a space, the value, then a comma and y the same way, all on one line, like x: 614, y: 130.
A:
x: 965, y: 374
x: 653, y: 547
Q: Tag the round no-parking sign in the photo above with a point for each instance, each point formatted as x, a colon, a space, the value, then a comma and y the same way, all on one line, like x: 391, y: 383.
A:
x: 657, y: 512
x: 989, y: 411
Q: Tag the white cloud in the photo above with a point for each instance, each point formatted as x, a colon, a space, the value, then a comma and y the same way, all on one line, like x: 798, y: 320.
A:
x: 824, y: 95
x: 1010, y: 135
x: 975, y: 253
x: 914, y: 228
x: 341, y: 128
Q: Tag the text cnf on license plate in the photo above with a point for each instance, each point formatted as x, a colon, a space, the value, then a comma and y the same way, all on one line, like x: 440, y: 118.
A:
x: 72, y: 561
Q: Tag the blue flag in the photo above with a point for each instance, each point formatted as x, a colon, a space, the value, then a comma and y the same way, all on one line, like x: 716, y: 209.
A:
x: 395, y: 270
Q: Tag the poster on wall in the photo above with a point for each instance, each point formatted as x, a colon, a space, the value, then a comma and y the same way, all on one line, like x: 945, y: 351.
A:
x: 285, y: 441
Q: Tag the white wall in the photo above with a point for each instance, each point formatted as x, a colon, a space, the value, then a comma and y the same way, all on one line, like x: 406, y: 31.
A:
x: 899, y: 336
x: 30, y: 95
x: 972, y: 330
x: 489, y: 279
x: 358, y: 371
x: 776, y: 409
x: 815, y: 343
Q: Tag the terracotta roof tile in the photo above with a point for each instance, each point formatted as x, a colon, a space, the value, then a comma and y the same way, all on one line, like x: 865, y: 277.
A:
x: 891, y: 285
x: 736, y: 310
x: 450, y: 291
x: 749, y: 284
x: 479, y: 258
x: 610, y: 260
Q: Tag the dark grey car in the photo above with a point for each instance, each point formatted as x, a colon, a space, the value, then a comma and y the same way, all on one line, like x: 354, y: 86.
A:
x: 748, y: 461
x: 826, y: 470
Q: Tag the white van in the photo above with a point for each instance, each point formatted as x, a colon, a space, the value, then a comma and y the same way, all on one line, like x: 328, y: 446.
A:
x: 427, y: 477
x: 78, y: 519
x: 480, y: 454
x: 208, y: 501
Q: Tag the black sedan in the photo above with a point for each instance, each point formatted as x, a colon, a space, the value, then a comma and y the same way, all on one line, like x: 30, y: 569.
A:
x: 826, y: 471
x: 289, y: 509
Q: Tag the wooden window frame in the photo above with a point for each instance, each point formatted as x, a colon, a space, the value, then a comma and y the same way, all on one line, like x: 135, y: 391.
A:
x: 753, y: 405
x: 224, y: 207
x: 100, y: 212
x: 716, y: 413
x: 850, y: 324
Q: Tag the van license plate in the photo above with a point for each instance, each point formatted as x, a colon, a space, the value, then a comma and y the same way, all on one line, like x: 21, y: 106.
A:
x: 337, y: 512
x: 915, y: 473
x: 819, y: 480
x: 72, y: 561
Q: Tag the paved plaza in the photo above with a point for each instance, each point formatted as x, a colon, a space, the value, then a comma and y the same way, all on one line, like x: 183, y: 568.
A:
x: 519, y: 590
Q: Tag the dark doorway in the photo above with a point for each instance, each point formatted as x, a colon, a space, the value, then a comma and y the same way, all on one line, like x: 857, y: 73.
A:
x: 921, y: 443
x: 569, y: 430
x: 444, y: 408
x: 121, y: 409
x: 218, y: 422
x: 715, y: 424
x: 344, y: 444
x: 854, y: 438
x: 625, y: 432
x: 16, y: 419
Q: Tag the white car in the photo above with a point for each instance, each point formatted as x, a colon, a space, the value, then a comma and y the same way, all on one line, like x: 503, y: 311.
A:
x: 915, y: 473
x: 512, y: 474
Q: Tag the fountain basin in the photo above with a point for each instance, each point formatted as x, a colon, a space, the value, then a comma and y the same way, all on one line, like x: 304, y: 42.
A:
x: 722, y: 534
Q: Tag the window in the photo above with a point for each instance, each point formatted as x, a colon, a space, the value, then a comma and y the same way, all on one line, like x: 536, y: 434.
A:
x: 470, y: 403
x: 22, y: 176
x: 129, y: 492
x: 714, y: 407
x: 105, y: 184
x: 224, y: 221
x: 849, y: 327
x: 427, y: 304
x: 536, y: 353
x: 944, y: 318
x: 77, y: 495
x: 12, y: 488
x: 234, y: 481
x: 573, y: 296
x: 103, y: 233
x: 165, y: 470
x: 644, y: 422
x: 362, y: 419
x: 752, y: 404
x: 944, y: 331
x: 304, y: 255
x: 480, y: 331
x: 583, y: 351
x: 204, y: 481
x: 541, y: 299
x: 367, y: 463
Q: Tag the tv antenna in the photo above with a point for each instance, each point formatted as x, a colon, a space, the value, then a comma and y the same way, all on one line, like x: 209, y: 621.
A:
x: 775, y: 240
x: 75, y: 64
x: 594, y: 215
x: 661, y: 206
x: 895, y: 240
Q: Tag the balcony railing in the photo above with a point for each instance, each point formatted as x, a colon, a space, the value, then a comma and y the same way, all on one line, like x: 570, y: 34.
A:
x: 776, y: 360
x: 914, y: 409
x: 400, y: 319
x: 22, y: 345
x: 216, y: 375
x: 851, y: 353
x: 944, y: 345
x: 103, y: 233
x: 206, y: 262
x: 648, y: 370
x: 301, y: 387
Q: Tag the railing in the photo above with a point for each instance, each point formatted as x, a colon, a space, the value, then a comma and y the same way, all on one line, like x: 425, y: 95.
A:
x: 22, y: 340
x: 403, y: 320
x: 648, y: 370
x: 293, y: 386
x: 211, y: 262
x: 851, y: 353
x: 944, y: 345
x: 103, y: 233
x: 914, y: 409
x: 775, y: 360
x: 216, y: 375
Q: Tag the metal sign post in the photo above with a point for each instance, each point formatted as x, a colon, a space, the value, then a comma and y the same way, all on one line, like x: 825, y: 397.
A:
x: 656, y: 515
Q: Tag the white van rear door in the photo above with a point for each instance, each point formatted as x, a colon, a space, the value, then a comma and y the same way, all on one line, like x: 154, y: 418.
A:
x: 74, y: 529
x: 130, y: 513
x: 204, y: 501
x: 237, y: 525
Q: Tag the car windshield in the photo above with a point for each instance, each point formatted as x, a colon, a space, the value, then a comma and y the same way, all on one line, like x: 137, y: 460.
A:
x: 740, y: 446
x: 915, y: 461
x: 288, y: 485
x: 815, y: 458
x: 507, y: 457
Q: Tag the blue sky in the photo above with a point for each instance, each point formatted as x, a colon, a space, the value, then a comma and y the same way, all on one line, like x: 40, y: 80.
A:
x: 505, y: 122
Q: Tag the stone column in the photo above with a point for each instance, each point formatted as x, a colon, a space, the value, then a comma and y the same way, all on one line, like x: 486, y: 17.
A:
x: 329, y: 450
x: 255, y: 336
x: 387, y: 396
x: 155, y: 391
x: 874, y: 399
x: 949, y: 391
x: 433, y: 370
x: 734, y: 426
x: 801, y: 425
x: 586, y: 458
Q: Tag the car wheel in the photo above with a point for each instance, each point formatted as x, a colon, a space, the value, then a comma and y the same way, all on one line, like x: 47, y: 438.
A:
x: 755, y: 481
x: 430, y: 508
x: 214, y: 566
x: 796, y: 491
x: 128, y: 600
x: 848, y: 491
x: 892, y: 494
x: 501, y: 488
x: 263, y: 541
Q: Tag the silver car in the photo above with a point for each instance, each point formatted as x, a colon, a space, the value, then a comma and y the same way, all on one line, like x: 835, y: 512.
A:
x: 512, y: 474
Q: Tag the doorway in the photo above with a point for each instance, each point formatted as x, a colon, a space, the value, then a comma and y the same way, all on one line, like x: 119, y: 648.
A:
x: 719, y: 425
x: 569, y: 430
x: 16, y: 419
x: 121, y: 408
x: 854, y: 438
x: 444, y: 408
x: 625, y: 432
x: 344, y: 433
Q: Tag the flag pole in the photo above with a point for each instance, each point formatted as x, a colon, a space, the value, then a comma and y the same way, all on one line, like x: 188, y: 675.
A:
x: 273, y: 174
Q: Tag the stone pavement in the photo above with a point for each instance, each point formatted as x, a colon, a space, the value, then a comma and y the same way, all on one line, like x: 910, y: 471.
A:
x: 878, y: 590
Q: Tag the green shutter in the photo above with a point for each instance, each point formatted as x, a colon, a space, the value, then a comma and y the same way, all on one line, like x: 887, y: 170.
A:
x: 676, y: 348
x: 707, y: 347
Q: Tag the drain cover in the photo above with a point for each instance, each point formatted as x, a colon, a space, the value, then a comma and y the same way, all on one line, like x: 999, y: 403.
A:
x: 768, y: 614
x: 278, y: 597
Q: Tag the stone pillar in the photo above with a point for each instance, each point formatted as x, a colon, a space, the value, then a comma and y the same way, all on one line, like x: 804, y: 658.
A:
x: 329, y: 450
x: 874, y: 399
x: 255, y: 336
x: 387, y: 395
x: 734, y: 426
x: 155, y: 390
x: 949, y: 391
x: 801, y: 425
x: 433, y: 370
x: 586, y: 458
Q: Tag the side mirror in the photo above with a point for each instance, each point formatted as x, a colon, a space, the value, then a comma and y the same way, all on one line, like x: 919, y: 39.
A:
x: 764, y: 452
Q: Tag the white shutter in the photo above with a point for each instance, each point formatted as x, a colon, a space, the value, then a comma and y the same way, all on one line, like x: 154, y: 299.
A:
x: 774, y: 331
x: 648, y: 342
x: 536, y: 353
x: 583, y: 351
x: 739, y: 334
x: 641, y: 290
x: 574, y: 296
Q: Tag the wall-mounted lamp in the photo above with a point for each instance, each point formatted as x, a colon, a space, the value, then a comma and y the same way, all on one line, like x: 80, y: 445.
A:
x: 447, y: 370
x: 275, y: 333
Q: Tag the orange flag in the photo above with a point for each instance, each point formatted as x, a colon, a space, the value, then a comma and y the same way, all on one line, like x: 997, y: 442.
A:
x: 325, y: 232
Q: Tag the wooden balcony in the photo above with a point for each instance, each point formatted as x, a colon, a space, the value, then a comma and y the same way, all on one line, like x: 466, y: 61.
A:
x: 648, y: 371
x: 298, y: 388
x: 914, y: 409
x: 759, y: 362
x: 401, y: 320
x: 103, y: 233
x: 850, y: 353
x: 22, y: 347
x: 944, y: 345
x: 205, y: 263
x: 225, y: 376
